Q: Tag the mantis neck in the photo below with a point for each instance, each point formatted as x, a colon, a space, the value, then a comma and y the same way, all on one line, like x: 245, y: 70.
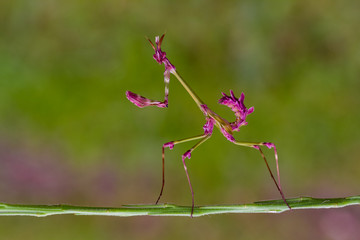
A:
x: 197, y: 100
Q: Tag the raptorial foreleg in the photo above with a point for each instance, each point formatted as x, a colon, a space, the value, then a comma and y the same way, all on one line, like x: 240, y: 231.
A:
x: 141, y: 101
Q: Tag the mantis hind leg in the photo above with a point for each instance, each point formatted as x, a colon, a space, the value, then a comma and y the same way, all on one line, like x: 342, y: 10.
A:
x: 269, y: 145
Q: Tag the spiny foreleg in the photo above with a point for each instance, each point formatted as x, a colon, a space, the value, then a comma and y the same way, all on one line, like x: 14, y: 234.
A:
x: 141, y: 101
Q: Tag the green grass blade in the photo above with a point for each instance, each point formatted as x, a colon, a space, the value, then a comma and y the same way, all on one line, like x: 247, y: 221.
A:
x: 273, y: 206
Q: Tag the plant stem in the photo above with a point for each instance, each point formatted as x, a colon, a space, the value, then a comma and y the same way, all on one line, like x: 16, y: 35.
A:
x: 273, y: 206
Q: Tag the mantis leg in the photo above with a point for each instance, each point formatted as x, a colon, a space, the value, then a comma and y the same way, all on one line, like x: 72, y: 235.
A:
x: 257, y: 145
x: 187, y: 154
x: 166, y: 81
x: 141, y: 101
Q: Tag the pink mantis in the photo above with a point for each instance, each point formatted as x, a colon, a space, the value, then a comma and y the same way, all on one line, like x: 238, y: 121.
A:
x: 212, y: 119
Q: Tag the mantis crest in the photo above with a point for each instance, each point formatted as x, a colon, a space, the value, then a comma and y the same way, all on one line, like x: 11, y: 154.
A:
x: 212, y: 119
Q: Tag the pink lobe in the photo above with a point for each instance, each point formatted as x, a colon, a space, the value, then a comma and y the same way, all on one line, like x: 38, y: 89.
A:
x: 238, y: 107
x: 186, y: 155
x: 227, y: 135
x: 138, y: 100
x: 169, y: 145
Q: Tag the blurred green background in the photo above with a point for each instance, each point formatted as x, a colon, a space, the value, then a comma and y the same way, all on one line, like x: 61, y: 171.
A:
x: 69, y: 135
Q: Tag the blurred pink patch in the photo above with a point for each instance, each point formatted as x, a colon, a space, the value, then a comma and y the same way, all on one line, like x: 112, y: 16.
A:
x: 340, y: 225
